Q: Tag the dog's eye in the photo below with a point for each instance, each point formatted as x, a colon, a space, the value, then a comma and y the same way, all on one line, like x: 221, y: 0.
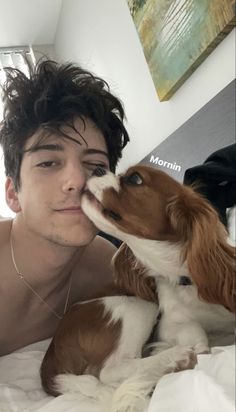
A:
x: 133, y: 179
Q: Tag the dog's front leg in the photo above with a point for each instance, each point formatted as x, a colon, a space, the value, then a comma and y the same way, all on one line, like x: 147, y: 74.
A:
x: 141, y: 376
x: 185, y: 332
x: 167, y: 361
x: 177, y: 325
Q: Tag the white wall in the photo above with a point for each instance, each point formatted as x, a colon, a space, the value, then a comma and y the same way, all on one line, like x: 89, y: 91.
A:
x: 26, y: 22
x: 102, y: 37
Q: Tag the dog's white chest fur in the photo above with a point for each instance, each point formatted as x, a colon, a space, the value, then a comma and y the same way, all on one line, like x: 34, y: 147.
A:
x: 186, y: 319
x: 182, y: 312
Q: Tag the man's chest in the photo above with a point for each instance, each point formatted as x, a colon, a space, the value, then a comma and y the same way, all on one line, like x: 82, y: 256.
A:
x: 25, y: 315
x: 23, y: 322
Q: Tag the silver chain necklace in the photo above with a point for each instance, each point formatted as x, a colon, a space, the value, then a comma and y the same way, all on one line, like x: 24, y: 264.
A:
x: 27, y: 284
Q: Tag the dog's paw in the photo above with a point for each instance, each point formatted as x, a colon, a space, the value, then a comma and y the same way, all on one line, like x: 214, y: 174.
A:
x: 201, y: 349
x: 152, y: 349
x: 181, y: 358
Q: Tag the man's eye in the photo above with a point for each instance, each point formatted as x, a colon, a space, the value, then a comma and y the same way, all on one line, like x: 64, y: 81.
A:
x: 47, y: 164
x: 93, y: 166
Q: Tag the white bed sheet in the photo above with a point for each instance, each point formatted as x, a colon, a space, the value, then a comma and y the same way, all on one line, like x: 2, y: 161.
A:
x: 210, y: 387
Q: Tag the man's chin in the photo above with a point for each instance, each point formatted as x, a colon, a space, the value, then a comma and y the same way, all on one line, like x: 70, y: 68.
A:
x: 75, y: 237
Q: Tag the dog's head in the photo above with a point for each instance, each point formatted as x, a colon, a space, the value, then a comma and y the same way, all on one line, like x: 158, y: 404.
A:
x: 134, y: 203
x: 147, y: 203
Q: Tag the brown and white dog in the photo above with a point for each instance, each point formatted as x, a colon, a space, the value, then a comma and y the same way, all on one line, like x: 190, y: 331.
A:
x: 170, y: 233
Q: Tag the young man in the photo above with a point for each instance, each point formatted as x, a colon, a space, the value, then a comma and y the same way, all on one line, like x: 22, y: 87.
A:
x: 59, y: 126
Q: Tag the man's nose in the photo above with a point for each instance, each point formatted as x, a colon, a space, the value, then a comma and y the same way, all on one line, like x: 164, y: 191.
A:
x: 74, y: 180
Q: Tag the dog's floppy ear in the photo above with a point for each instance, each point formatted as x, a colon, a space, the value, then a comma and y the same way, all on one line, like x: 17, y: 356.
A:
x: 131, y: 276
x: 210, y: 259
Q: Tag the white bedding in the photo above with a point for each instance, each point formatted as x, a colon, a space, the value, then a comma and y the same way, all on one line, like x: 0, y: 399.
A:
x: 210, y: 387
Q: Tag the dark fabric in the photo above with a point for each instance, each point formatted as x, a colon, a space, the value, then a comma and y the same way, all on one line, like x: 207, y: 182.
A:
x: 112, y: 239
x: 217, y: 178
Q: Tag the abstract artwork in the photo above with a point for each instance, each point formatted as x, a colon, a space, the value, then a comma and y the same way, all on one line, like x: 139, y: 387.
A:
x: 177, y: 35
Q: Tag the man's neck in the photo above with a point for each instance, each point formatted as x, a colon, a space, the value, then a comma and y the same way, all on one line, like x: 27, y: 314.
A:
x: 39, y: 259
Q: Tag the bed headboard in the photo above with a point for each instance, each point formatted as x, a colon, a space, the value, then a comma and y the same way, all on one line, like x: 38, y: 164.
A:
x: 208, y: 130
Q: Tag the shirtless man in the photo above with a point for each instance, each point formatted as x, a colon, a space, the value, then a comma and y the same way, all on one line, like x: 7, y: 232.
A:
x: 59, y: 125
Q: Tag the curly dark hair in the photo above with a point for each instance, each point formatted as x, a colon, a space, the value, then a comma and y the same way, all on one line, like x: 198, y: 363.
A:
x: 53, y: 95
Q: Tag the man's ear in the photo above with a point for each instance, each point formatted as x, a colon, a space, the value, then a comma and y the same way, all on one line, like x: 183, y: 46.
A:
x: 11, y: 194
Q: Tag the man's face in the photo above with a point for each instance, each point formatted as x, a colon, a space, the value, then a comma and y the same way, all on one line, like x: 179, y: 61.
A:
x: 52, y: 179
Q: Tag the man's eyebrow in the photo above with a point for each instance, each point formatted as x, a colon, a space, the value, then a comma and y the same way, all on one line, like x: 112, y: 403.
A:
x: 52, y: 147
x: 96, y: 151
x: 58, y: 147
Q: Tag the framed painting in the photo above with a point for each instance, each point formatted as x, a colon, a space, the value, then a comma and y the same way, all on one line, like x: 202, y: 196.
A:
x: 177, y: 35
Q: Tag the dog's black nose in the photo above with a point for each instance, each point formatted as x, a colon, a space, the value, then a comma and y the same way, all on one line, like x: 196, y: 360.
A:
x: 99, y: 171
